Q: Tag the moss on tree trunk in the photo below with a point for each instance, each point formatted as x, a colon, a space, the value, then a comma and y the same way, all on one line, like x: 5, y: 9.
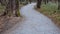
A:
x: 17, y: 13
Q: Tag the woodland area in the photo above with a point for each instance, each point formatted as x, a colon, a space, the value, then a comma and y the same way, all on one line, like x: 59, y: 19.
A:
x: 10, y: 11
x: 50, y: 8
x: 9, y: 14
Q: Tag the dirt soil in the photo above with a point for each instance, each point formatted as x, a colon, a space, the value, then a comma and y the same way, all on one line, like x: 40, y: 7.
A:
x: 8, y: 22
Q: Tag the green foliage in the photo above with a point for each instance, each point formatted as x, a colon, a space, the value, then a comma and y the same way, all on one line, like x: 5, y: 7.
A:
x: 1, y: 8
x: 50, y: 8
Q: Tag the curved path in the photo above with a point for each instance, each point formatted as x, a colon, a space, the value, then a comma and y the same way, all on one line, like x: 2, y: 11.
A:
x: 35, y: 23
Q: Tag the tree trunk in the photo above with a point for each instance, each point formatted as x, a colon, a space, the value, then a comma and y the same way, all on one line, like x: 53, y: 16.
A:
x: 12, y: 8
x: 45, y: 1
x: 30, y: 1
x: 58, y: 4
x: 38, y: 3
x: 8, y: 8
x: 17, y: 13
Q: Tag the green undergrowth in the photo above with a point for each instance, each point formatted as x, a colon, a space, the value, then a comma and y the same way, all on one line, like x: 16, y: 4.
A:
x: 51, y: 10
x: 2, y: 8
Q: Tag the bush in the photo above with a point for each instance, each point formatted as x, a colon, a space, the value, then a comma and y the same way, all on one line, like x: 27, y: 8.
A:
x: 51, y: 10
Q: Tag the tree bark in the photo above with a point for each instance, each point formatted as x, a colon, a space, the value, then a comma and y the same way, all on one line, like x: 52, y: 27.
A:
x: 12, y: 8
x: 38, y: 3
x: 58, y: 4
x: 17, y: 8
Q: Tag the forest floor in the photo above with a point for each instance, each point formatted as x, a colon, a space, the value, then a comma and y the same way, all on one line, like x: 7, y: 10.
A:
x: 34, y: 23
x: 8, y: 22
x: 51, y: 11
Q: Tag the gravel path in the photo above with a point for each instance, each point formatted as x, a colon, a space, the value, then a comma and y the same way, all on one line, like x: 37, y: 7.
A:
x: 35, y: 23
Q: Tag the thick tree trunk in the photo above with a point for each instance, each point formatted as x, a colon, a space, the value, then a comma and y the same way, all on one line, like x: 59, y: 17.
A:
x: 17, y: 13
x: 12, y: 8
x: 9, y: 8
x: 38, y: 3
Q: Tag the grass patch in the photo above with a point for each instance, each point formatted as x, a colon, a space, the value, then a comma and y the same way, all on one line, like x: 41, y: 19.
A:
x: 50, y: 8
x: 51, y: 11
x: 1, y: 8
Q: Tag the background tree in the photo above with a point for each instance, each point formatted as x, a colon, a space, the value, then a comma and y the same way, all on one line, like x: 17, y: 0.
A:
x: 30, y: 1
x: 17, y: 12
x: 39, y: 3
x: 58, y: 4
x: 45, y: 1
x: 12, y: 8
